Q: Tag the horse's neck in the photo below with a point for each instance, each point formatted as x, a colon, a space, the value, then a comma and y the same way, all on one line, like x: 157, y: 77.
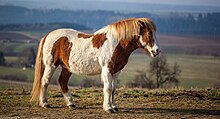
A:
x: 130, y: 45
x: 121, y: 54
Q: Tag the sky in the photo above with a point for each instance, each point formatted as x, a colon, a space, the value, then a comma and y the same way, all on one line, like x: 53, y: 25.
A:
x: 120, y: 5
x: 176, y: 2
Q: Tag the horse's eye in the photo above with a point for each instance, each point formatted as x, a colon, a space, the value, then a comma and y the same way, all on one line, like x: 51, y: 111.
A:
x: 149, y: 33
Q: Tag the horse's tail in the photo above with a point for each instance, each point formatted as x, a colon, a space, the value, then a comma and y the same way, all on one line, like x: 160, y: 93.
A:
x: 39, y: 70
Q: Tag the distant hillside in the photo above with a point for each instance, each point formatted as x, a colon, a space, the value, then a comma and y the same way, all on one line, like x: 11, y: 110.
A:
x: 170, y: 23
x: 41, y: 26
x: 14, y: 36
x: 93, y: 19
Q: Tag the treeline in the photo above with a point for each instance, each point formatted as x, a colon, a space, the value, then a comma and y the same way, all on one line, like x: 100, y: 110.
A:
x: 41, y: 26
x: 172, y: 23
x: 199, y: 24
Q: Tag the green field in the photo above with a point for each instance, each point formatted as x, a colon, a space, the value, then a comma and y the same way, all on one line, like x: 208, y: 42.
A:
x: 197, y: 71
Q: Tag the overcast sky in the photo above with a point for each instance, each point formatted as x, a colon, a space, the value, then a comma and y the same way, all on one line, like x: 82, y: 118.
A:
x: 123, y: 5
x: 179, y: 2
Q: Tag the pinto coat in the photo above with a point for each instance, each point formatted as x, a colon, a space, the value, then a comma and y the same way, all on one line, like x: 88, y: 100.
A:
x: 105, y: 52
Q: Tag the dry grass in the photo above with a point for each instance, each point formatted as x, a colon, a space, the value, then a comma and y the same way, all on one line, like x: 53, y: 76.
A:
x: 133, y: 103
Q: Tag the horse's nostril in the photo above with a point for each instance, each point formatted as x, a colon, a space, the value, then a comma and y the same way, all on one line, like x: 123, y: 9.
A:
x: 157, y: 50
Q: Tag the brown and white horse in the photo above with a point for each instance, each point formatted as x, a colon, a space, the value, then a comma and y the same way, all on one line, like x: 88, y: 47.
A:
x: 105, y: 52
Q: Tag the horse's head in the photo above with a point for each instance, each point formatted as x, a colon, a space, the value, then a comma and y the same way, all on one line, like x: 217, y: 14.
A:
x: 148, y: 38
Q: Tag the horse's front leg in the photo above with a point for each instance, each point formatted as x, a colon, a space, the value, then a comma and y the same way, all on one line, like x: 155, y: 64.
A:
x: 114, y: 86
x: 107, y: 90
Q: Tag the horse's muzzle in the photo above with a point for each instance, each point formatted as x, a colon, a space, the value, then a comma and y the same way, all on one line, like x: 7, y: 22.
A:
x: 155, y: 53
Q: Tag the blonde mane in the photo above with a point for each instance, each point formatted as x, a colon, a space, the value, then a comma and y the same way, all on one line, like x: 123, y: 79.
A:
x: 127, y: 28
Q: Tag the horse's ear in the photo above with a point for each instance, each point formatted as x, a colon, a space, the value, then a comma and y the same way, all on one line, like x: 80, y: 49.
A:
x: 143, y: 25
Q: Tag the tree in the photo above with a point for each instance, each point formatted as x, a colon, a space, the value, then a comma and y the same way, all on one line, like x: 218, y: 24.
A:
x: 2, y: 58
x: 163, y: 74
x: 27, y: 57
x: 159, y: 75
x: 31, y: 55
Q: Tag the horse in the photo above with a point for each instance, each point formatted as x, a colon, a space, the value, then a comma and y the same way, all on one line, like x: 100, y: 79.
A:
x: 104, y: 52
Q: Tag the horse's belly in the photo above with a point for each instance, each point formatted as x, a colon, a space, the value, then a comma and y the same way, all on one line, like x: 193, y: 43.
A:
x: 86, y: 67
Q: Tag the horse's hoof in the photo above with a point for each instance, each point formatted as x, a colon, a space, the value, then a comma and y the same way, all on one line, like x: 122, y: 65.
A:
x: 110, y: 111
x: 116, y: 109
x: 72, y: 107
x: 46, y: 106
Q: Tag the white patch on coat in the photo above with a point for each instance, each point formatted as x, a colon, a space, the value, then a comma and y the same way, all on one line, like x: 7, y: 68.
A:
x: 142, y: 42
x: 84, y: 58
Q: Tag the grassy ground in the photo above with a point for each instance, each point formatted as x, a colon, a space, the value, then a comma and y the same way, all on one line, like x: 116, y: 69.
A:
x: 133, y: 103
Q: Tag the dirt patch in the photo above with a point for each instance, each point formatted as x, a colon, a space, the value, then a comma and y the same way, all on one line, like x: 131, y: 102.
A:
x: 133, y: 103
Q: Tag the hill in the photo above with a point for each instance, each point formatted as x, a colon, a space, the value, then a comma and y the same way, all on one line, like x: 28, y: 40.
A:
x: 170, y: 23
x: 13, y: 36
x: 41, y: 26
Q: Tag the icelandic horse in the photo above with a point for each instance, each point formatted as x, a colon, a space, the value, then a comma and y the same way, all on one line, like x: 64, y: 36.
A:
x: 105, y: 52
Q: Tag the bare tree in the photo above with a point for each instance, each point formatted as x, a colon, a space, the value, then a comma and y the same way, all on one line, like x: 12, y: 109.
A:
x: 159, y: 75
x: 162, y: 73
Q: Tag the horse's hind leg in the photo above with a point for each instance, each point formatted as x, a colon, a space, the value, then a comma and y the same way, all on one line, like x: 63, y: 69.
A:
x: 48, y: 72
x: 63, y: 80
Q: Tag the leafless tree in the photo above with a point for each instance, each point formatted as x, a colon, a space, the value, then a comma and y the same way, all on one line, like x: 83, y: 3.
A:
x: 162, y: 72
x: 159, y: 75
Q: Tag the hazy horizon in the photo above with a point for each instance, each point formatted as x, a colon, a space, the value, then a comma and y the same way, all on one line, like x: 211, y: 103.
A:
x: 121, y: 5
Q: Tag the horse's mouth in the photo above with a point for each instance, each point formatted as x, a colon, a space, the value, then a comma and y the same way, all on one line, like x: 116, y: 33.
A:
x: 154, y: 54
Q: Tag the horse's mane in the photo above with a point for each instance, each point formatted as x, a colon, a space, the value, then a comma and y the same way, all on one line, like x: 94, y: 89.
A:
x: 126, y: 28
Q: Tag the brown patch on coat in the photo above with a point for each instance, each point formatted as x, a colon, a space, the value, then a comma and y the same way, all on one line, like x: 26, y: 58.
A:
x: 98, y: 40
x: 122, y: 52
x: 82, y: 35
x: 61, y: 52
x: 147, y: 36
x: 63, y: 79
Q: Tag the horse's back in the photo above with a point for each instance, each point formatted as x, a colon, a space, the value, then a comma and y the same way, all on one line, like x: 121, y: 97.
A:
x: 56, y: 34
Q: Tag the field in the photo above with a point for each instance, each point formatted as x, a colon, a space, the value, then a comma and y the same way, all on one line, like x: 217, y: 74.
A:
x: 198, y: 70
x: 197, y: 96
x: 133, y: 103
